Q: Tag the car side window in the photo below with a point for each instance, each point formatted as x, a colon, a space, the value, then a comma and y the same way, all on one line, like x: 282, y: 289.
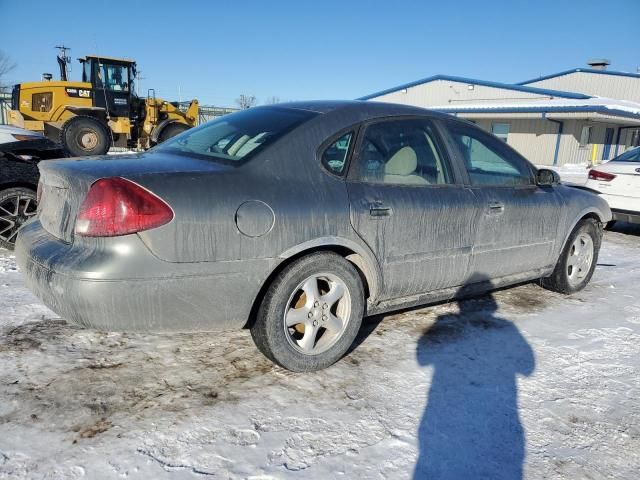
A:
x: 334, y: 157
x: 487, y: 160
x: 403, y: 152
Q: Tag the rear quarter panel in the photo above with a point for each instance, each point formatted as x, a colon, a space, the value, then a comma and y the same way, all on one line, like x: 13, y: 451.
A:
x: 287, y: 179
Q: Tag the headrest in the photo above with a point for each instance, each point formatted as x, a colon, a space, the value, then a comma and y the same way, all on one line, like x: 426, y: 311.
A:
x: 403, y: 162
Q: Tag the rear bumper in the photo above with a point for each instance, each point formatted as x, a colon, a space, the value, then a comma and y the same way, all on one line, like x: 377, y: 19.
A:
x: 626, y: 216
x: 625, y: 203
x: 117, y: 284
x: 623, y: 207
x: 622, y: 202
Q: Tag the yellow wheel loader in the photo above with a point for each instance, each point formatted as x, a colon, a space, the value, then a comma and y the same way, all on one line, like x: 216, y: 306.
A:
x: 101, y: 111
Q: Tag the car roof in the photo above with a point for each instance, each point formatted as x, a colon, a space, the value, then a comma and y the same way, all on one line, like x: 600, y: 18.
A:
x: 371, y: 109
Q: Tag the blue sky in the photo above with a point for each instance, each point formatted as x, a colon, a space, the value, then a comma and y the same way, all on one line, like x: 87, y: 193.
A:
x: 319, y: 49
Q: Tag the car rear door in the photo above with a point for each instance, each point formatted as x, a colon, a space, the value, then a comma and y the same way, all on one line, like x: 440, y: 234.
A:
x: 408, y: 207
x: 517, y: 220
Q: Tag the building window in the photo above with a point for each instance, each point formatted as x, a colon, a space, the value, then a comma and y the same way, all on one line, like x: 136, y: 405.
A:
x: 633, y: 138
x: 585, y: 136
x: 500, y: 130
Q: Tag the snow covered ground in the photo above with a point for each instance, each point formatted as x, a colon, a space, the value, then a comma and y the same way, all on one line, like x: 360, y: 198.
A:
x: 545, y: 384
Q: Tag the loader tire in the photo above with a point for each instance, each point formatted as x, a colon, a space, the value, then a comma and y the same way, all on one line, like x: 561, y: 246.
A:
x: 172, y: 130
x: 85, y: 136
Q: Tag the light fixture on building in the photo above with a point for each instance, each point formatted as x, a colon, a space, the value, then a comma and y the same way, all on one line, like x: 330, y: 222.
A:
x: 470, y: 87
x: 404, y: 90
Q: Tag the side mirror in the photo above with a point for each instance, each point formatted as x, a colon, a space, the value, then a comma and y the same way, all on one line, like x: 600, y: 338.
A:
x: 547, y: 178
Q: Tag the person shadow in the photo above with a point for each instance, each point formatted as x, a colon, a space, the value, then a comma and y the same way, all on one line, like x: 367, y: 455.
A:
x: 471, y: 428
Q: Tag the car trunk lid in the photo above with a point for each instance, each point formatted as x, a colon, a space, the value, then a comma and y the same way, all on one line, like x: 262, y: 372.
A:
x: 627, y: 180
x: 65, y: 183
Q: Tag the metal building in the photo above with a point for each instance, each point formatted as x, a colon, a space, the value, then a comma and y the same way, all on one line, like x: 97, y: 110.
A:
x: 578, y: 116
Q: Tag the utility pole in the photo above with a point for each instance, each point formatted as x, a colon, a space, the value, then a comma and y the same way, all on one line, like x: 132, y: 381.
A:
x: 139, y: 79
x: 64, y: 62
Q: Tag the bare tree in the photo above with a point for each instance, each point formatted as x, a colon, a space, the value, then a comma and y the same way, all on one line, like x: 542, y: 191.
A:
x: 6, y: 65
x: 272, y: 100
x: 246, y: 101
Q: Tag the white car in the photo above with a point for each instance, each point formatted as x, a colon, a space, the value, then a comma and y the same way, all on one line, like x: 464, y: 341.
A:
x: 9, y: 134
x: 618, y: 182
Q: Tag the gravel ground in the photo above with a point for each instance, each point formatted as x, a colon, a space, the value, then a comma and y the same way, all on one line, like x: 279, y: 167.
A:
x: 524, y: 382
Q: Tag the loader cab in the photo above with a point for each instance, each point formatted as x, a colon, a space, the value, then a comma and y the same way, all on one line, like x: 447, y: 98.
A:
x: 112, y: 82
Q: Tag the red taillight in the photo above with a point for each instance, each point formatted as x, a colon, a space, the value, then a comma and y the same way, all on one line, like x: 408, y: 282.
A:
x: 602, y: 176
x: 115, y: 206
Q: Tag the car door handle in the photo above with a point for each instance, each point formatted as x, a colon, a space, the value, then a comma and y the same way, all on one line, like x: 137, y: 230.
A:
x: 376, y: 211
x: 496, y: 207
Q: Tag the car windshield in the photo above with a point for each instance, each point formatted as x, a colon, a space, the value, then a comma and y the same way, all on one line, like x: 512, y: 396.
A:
x: 230, y: 139
x: 629, y: 156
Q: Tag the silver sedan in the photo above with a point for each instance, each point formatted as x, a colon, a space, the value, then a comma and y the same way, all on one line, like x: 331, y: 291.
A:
x: 296, y: 221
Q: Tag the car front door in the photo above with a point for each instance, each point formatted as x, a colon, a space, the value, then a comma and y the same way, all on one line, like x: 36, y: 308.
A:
x: 517, y: 220
x: 407, y: 206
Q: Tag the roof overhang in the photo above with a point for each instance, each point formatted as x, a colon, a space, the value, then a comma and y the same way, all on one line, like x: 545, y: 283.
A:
x: 474, y: 81
x: 585, y: 116
x: 608, y: 110
x: 581, y: 70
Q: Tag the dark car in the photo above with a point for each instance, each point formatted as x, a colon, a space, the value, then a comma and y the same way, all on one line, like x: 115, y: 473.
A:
x: 296, y: 221
x: 20, y: 152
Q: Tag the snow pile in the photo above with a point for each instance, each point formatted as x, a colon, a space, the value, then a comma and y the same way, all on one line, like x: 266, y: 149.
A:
x: 524, y: 381
x: 7, y: 262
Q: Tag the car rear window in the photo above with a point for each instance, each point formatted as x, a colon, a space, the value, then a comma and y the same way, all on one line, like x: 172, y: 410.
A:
x: 233, y: 138
x: 629, y: 156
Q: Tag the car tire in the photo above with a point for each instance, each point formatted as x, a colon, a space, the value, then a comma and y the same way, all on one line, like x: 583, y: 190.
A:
x: 85, y: 136
x: 302, y: 328
x: 172, y: 130
x: 17, y: 205
x: 578, y: 259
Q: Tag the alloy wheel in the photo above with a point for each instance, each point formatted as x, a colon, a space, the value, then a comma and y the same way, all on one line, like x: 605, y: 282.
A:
x: 317, y: 313
x: 580, y: 258
x: 14, y: 212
